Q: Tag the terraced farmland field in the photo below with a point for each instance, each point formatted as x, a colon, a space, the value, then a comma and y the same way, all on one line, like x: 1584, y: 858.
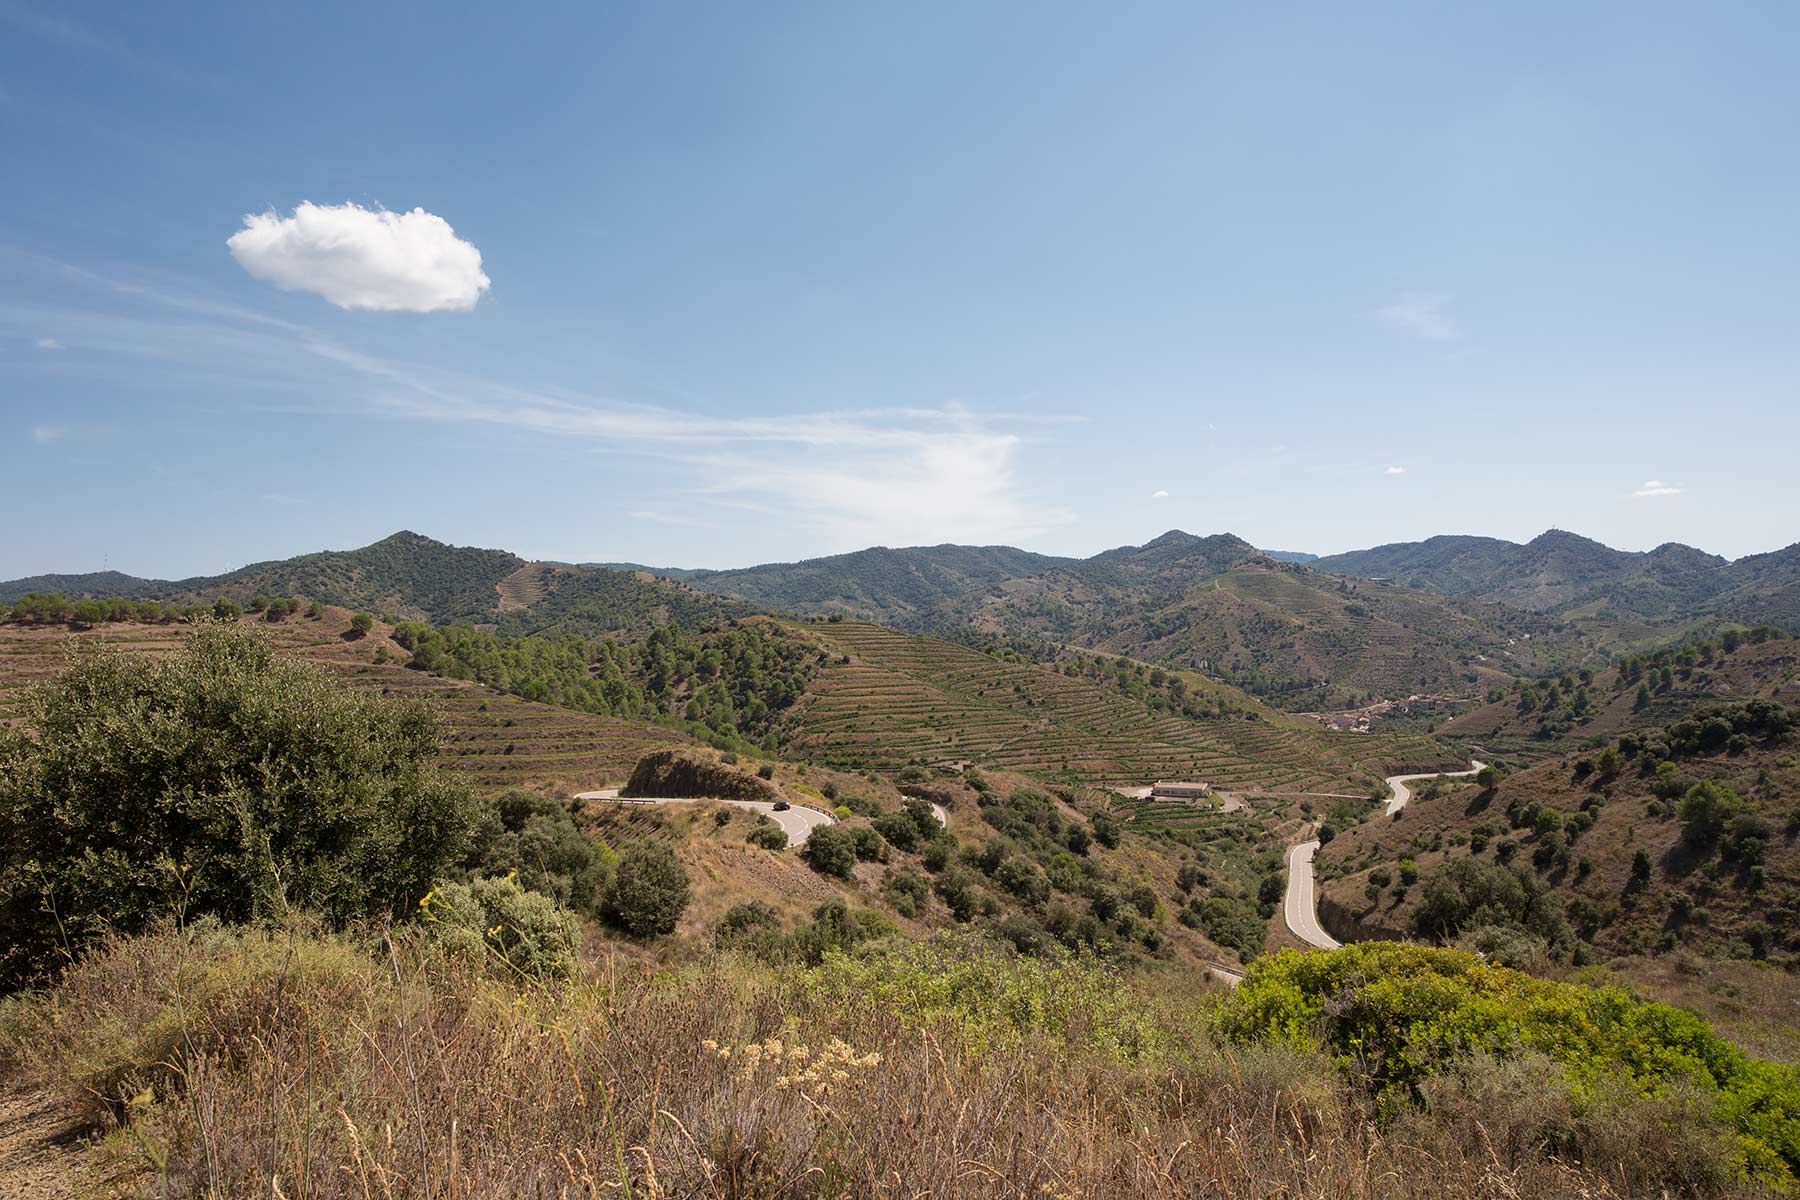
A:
x: 493, y: 739
x: 902, y: 699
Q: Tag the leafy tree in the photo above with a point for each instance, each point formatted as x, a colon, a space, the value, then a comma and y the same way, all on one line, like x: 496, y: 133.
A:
x: 216, y: 780
x: 908, y: 891
x: 361, y: 623
x: 226, y: 610
x: 649, y: 891
x: 1705, y: 811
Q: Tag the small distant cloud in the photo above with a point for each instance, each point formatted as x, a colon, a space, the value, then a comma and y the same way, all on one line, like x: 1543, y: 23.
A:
x: 50, y: 344
x: 1159, y: 494
x: 43, y: 435
x: 1656, y: 487
x: 363, y: 258
x: 1395, y: 471
x: 1422, y: 314
x: 281, y: 498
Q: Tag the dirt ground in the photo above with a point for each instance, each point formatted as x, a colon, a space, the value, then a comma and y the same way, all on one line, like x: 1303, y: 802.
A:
x: 41, y: 1154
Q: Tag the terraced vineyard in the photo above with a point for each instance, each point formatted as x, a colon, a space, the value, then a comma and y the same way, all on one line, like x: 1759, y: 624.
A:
x: 494, y: 739
x: 903, y: 699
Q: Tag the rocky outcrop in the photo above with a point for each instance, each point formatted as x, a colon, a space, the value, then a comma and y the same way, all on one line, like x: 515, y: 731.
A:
x: 671, y: 774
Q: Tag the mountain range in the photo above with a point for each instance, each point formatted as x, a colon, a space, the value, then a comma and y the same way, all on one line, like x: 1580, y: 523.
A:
x: 1452, y: 614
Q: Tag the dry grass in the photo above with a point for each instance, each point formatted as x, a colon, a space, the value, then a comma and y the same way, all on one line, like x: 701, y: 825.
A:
x: 283, y: 1063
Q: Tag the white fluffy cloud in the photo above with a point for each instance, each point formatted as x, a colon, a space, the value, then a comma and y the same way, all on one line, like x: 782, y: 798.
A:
x: 1395, y: 471
x: 49, y: 344
x: 1422, y: 314
x: 1159, y: 494
x: 363, y: 258
x: 1656, y: 487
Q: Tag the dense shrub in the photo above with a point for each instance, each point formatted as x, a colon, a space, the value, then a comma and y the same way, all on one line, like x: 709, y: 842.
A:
x: 908, y: 891
x: 868, y: 844
x: 830, y: 850
x: 512, y: 931
x: 649, y: 891
x: 535, y: 838
x: 1394, y: 1015
x: 750, y: 924
x: 1235, y: 924
x: 958, y: 889
x: 217, y: 780
x: 768, y: 835
x: 1464, y: 894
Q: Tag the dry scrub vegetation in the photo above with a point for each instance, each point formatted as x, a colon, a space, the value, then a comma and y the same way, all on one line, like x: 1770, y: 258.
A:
x: 286, y: 1061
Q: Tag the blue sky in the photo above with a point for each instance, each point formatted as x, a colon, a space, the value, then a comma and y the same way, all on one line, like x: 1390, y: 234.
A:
x: 761, y: 282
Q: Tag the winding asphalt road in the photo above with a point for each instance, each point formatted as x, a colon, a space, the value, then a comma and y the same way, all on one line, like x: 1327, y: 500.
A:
x: 1402, y: 793
x: 1300, y: 909
x: 796, y: 821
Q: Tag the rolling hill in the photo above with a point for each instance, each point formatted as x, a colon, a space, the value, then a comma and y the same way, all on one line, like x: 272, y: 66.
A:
x: 888, y: 699
x: 1563, y: 574
x: 408, y: 576
x: 894, y: 587
x: 1297, y: 637
x: 1633, y: 866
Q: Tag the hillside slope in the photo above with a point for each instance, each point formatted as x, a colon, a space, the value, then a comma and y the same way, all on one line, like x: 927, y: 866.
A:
x: 1560, y: 573
x: 1632, y: 862
x: 888, y: 699
x: 894, y: 587
x: 1291, y: 634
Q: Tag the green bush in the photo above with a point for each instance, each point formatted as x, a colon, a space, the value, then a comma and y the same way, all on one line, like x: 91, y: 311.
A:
x: 830, y: 850
x: 217, y: 780
x: 535, y: 838
x: 868, y: 843
x: 649, y: 891
x: 957, y: 888
x: 514, y: 932
x: 899, y: 830
x: 1393, y: 1016
x: 745, y: 921
x: 768, y: 835
x: 908, y: 891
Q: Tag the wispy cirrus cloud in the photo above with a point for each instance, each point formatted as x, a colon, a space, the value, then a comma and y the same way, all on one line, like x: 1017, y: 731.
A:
x: 1421, y: 314
x: 849, y: 477
x: 1656, y: 487
x: 49, y: 344
x: 43, y: 435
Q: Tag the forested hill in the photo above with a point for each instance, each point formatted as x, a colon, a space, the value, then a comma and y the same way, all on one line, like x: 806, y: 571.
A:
x: 893, y: 587
x: 1559, y: 572
x: 408, y: 576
